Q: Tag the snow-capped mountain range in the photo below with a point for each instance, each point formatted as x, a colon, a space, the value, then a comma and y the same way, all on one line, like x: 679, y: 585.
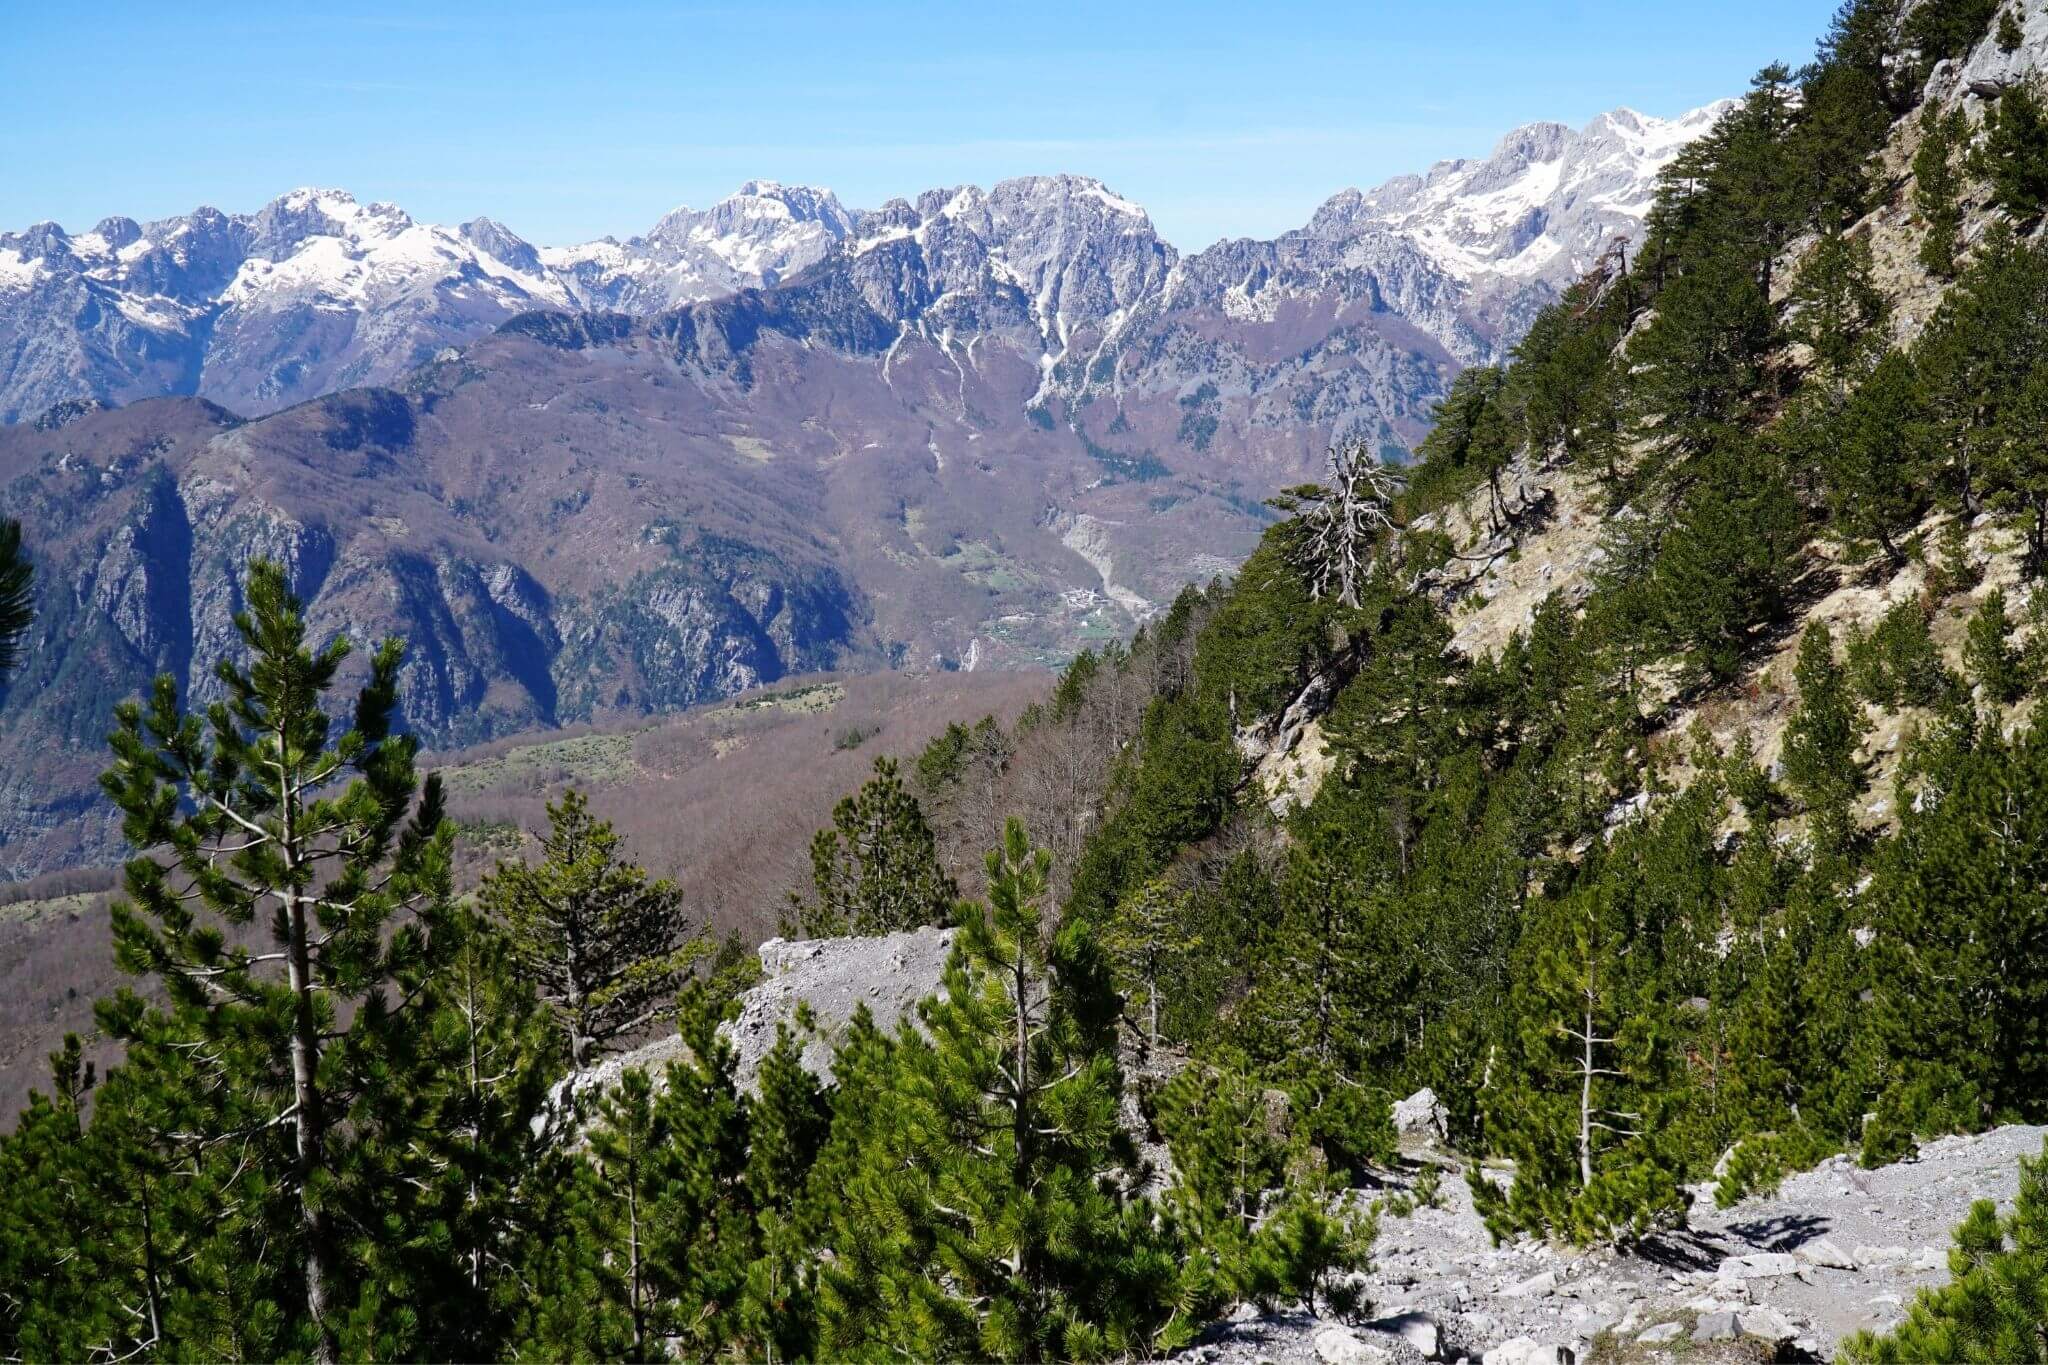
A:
x: 317, y: 292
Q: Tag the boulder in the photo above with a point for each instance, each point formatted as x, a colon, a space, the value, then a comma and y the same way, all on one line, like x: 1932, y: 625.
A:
x: 1759, y: 1324
x: 1767, y: 1325
x: 1722, y: 1326
x: 1419, y: 1116
x: 1661, y: 1333
x: 1760, y: 1265
x: 888, y: 974
x: 1338, y: 1346
x: 1868, y: 1255
x: 834, y: 977
x: 1824, y: 1253
x: 1417, y: 1329
x: 1535, y: 1287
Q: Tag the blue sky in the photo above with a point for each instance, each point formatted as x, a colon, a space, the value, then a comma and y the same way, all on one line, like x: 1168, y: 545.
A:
x: 569, y: 122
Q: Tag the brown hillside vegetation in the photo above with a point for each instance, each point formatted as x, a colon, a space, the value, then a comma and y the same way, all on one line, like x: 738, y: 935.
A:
x: 722, y: 799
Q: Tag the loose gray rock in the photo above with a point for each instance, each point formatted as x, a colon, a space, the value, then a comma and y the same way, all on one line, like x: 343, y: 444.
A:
x: 1822, y: 1252
x: 1759, y: 1265
x: 834, y: 976
x: 1725, y: 1326
x: 1766, y: 1325
x: 1536, y: 1286
x: 1336, y: 1346
x: 1528, y: 1351
x: 1662, y: 1332
x: 1417, y: 1329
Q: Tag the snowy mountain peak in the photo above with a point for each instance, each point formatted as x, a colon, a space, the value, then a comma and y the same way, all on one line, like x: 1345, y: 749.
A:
x: 1543, y: 205
x: 317, y: 290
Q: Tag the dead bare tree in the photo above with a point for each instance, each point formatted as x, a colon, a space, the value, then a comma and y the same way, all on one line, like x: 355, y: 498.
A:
x: 1345, y: 520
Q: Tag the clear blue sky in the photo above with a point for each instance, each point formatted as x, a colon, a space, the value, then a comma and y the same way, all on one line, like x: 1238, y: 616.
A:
x: 569, y: 122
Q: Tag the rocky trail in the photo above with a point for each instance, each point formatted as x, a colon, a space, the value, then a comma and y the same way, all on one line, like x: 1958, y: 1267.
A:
x: 1838, y: 1249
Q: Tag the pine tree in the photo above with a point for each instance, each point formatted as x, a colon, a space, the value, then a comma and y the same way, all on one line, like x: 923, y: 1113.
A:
x: 455, y: 1239
x: 1314, y: 1003
x: 1977, y: 356
x: 985, y: 1216
x: 60, y: 1280
x: 1994, y: 1309
x: 1153, y: 943
x: 660, y: 1229
x: 789, y: 1121
x: 1471, y: 440
x: 1564, y: 381
x: 2016, y: 468
x: 1722, y: 568
x: 1874, y: 457
x: 1961, y: 999
x: 2016, y: 152
x: 1698, y: 367
x: 1993, y: 663
x: 1822, y: 738
x: 2010, y: 34
x: 264, y: 815
x: 1583, y: 1113
x: 876, y: 871
x: 604, y: 948
x: 1838, y: 313
x: 1937, y: 186
x: 1340, y: 526
x: 1229, y: 1140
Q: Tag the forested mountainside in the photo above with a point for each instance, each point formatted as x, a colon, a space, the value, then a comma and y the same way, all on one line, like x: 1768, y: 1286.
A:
x: 984, y: 429
x: 1650, y: 771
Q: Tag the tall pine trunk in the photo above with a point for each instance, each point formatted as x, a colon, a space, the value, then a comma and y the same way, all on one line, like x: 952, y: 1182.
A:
x: 310, y: 1126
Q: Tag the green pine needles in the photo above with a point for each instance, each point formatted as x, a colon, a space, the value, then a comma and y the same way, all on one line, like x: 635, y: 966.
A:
x: 265, y: 821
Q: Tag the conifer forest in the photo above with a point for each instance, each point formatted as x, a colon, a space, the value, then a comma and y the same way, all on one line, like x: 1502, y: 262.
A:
x: 1649, y: 767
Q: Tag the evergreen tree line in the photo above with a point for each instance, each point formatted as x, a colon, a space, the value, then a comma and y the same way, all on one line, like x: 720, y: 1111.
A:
x: 354, y: 1119
x: 341, y: 1128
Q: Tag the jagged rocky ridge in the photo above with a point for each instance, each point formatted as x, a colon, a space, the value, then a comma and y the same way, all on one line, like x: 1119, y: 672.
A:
x: 317, y: 292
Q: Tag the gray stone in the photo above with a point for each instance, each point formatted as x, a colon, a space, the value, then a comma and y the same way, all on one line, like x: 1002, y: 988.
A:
x: 1766, y: 1324
x: 1528, y: 1351
x: 1822, y: 1252
x: 1662, y: 1332
x: 1417, y: 1329
x: 1419, y: 1115
x: 1758, y: 1266
x: 1337, y: 1346
x: 1535, y: 1287
x: 889, y: 974
x: 1724, y: 1326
